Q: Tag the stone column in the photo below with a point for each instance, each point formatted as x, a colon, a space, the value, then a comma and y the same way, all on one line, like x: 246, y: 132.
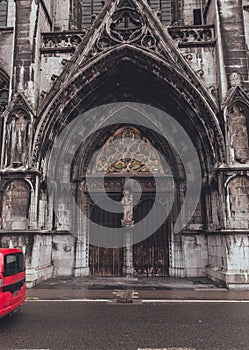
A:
x: 81, y: 267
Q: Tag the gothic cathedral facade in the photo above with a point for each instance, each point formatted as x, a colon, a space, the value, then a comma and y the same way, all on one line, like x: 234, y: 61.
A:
x: 124, y: 137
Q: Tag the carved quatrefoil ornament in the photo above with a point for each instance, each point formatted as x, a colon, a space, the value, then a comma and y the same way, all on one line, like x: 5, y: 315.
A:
x: 126, y: 25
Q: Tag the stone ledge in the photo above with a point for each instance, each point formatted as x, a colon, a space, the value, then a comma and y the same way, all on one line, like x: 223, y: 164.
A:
x: 35, y: 276
x: 193, y: 35
x: 232, y: 280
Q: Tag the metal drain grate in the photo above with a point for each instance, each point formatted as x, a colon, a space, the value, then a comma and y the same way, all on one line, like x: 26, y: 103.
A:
x: 126, y: 301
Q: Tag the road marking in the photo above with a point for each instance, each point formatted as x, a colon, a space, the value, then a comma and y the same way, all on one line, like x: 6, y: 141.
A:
x: 166, y: 301
x: 166, y: 349
x: 193, y: 301
x: 134, y: 294
x: 65, y: 300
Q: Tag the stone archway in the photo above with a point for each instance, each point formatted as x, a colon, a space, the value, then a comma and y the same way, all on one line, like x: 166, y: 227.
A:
x: 128, y: 75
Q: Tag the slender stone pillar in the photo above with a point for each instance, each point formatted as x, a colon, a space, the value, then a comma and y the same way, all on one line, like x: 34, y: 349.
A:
x: 128, y: 252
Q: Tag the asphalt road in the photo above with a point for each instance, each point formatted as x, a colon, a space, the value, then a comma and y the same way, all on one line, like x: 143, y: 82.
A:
x: 106, y: 326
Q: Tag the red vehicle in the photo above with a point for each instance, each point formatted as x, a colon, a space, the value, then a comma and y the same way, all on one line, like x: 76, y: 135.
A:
x: 12, y: 280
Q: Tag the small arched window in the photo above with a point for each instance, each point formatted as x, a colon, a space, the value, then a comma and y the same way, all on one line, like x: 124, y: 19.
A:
x: 3, y: 12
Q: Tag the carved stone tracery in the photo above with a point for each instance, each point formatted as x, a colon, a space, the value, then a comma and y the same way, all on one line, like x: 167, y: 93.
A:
x: 203, y: 35
x: 127, y: 151
x: 62, y: 41
x: 126, y: 25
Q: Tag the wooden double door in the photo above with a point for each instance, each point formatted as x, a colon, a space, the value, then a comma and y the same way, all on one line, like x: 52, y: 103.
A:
x: 150, y: 255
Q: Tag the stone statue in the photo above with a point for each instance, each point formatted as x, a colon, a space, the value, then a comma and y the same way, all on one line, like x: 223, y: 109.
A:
x: 18, y: 138
x: 127, y: 203
x: 239, y: 134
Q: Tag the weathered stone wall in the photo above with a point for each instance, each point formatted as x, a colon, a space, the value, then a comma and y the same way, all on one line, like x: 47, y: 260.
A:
x: 51, y: 65
x: 195, y: 254
x: 62, y: 15
x: 203, y: 61
x: 217, y: 257
x: 188, y: 7
x: 228, y: 259
x: 63, y: 254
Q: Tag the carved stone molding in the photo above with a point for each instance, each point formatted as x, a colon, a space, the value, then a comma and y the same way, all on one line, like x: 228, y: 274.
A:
x: 193, y: 36
x: 116, y: 184
x: 62, y: 41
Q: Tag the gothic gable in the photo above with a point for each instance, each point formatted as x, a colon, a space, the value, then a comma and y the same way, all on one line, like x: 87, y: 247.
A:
x: 18, y: 102
x: 131, y: 24
x: 238, y: 94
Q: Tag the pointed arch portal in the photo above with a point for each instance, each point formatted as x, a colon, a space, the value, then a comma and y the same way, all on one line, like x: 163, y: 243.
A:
x: 135, y: 64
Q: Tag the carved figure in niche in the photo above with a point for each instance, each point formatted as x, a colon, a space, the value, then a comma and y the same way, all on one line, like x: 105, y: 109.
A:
x: 16, y: 201
x: 239, y: 134
x: 239, y: 202
x: 127, y: 203
x: 18, y: 139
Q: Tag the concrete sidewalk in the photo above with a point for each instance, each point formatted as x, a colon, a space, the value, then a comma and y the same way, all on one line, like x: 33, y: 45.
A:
x: 108, y: 288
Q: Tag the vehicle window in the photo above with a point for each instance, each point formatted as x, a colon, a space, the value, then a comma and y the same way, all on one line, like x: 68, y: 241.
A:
x: 13, y: 263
